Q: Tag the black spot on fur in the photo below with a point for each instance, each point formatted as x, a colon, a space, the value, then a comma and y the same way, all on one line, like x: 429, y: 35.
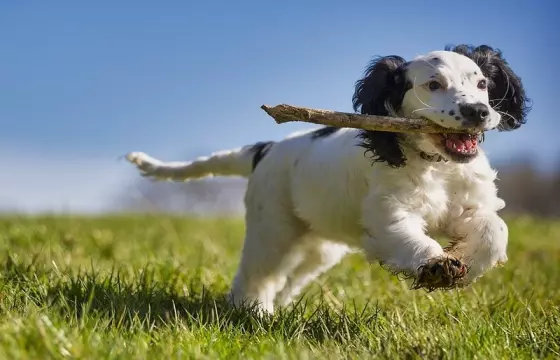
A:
x: 505, y: 88
x: 259, y: 150
x: 451, y: 112
x: 323, y: 132
x: 457, y: 118
x: 382, y: 89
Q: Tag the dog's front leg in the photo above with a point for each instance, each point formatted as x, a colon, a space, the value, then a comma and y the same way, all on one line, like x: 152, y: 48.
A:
x: 480, y: 240
x: 396, y: 238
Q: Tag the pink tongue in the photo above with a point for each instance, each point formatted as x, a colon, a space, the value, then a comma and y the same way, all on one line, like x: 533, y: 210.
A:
x: 459, y: 144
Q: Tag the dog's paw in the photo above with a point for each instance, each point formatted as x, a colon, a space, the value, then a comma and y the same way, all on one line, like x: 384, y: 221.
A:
x: 446, y: 272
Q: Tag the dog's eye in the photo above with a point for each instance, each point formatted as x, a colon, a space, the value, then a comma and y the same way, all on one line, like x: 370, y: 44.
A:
x: 434, y: 85
x: 482, y: 85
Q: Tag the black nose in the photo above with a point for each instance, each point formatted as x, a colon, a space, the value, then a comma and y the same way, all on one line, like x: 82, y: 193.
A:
x: 475, y: 114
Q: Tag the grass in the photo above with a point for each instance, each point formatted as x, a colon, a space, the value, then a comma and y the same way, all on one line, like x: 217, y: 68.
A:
x: 150, y: 287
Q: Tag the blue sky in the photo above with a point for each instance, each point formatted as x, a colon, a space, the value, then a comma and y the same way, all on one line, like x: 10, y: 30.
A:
x: 82, y: 84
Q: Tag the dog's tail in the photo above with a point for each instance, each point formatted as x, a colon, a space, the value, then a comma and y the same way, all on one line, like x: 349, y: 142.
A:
x: 236, y: 162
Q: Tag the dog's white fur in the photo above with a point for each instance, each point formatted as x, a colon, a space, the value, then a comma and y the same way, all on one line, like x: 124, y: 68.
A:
x: 311, y: 201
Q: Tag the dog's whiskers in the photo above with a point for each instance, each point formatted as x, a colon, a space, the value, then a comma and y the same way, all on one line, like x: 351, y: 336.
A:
x: 506, y: 114
x: 427, y: 108
x: 418, y: 97
x: 505, y: 93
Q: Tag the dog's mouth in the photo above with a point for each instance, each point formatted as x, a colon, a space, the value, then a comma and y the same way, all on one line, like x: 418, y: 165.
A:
x: 463, y: 144
x: 460, y: 147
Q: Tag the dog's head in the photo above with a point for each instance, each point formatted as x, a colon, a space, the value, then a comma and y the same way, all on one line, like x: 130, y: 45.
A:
x: 463, y: 87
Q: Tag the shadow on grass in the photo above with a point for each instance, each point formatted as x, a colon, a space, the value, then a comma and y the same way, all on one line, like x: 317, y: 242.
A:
x: 145, y: 302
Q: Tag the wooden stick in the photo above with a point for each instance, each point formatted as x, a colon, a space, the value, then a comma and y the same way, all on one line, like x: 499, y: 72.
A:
x: 286, y: 113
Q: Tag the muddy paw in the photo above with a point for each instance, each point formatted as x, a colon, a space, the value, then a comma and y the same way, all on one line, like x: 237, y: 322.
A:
x: 440, y: 273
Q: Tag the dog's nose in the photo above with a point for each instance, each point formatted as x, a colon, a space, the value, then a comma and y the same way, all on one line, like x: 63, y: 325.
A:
x: 475, y: 114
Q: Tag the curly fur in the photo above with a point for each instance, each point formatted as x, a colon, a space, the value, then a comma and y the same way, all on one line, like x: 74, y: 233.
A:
x: 380, y: 92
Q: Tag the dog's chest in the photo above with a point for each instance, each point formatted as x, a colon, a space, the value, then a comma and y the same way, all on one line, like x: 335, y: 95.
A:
x: 443, y: 193
x: 430, y: 197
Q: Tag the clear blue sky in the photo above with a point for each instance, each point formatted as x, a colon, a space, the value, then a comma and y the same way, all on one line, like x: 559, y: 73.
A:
x: 82, y: 84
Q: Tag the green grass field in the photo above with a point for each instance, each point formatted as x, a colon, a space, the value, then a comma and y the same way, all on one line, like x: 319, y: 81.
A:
x: 149, y: 287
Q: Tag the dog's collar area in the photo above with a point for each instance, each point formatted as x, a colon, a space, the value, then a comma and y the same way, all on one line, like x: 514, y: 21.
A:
x: 432, y: 158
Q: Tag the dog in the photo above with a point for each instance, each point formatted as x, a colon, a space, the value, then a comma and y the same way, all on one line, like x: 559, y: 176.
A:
x: 318, y: 195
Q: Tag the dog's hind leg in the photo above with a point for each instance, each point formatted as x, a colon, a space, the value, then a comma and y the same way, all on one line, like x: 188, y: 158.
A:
x: 273, y: 244
x: 319, y: 256
x: 269, y: 254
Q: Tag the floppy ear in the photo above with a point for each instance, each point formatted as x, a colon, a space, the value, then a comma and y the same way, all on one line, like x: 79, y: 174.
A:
x: 505, y: 89
x: 380, y: 92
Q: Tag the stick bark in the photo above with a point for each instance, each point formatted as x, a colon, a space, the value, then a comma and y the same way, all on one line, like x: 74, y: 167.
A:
x: 286, y: 113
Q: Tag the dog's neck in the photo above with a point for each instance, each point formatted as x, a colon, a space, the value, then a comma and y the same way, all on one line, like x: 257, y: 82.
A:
x: 413, y: 150
x: 432, y: 157
x: 423, y: 155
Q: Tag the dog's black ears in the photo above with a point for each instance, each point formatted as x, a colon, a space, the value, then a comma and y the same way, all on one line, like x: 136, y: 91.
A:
x: 506, y: 92
x: 380, y: 92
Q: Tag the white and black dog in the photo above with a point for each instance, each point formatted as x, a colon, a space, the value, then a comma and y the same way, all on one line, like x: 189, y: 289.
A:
x: 314, y: 197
